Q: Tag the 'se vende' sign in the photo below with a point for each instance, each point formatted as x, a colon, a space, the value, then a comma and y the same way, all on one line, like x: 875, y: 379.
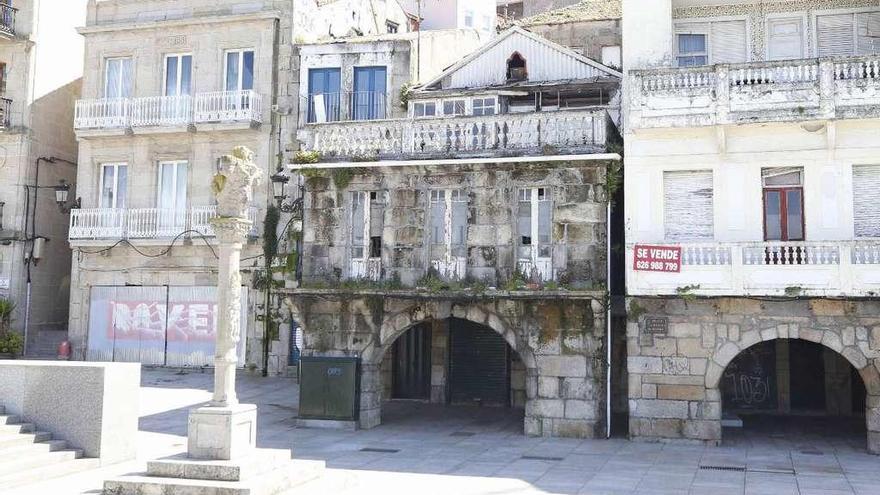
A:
x: 657, y: 258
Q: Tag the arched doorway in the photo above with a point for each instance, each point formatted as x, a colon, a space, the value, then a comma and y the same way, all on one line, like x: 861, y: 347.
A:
x: 792, y: 392
x: 450, y: 371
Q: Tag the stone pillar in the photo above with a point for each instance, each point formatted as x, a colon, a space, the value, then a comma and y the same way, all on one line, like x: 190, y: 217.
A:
x: 225, y: 429
x: 783, y: 377
x: 370, y: 415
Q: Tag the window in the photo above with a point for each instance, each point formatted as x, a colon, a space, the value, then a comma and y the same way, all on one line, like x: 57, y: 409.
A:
x: 239, y: 70
x: 866, y: 197
x: 324, y: 95
x: 691, y: 50
x: 469, y: 18
x: 848, y: 34
x: 516, y: 68
x: 783, y: 203
x: 424, y: 109
x: 534, y: 222
x: 688, y: 205
x: 449, y: 222
x: 178, y: 75
x: 172, y: 197
x: 484, y: 106
x: 117, y: 78
x: 114, y: 181
x: 368, y: 99
x: 785, y: 38
x: 391, y: 27
x: 454, y: 107
x: 367, y: 210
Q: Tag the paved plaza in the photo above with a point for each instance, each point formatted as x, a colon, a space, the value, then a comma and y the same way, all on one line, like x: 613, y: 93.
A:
x: 428, y: 449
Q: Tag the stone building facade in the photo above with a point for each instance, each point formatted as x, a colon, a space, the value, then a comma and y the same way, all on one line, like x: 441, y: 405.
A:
x: 750, y: 232
x: 460, y: 251
x: 40, y: 70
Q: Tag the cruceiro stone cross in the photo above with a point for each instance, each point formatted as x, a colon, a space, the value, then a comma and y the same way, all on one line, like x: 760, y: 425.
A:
x: 226, y: 429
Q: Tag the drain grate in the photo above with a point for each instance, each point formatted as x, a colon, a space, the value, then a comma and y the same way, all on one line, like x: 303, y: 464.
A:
x: 540, y: 458
x: 380, y: 451
x: 812, y: 452
x: 773, y: 471
x: 462, y: 434
x: 740, y: 469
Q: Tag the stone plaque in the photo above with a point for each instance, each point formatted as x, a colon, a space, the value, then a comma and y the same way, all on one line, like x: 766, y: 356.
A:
x: 657, y: 325
x: 176, y: 40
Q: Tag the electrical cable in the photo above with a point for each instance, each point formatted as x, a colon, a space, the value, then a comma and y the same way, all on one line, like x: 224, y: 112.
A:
x: 147, y: 255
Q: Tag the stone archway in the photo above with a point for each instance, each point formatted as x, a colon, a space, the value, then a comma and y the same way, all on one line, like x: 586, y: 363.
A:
x: 844, y: 345
x: 394, y: 325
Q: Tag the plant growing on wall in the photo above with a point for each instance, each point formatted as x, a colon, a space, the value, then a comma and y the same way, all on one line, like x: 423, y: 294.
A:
x: 10, y: 342
x: 270, y: 252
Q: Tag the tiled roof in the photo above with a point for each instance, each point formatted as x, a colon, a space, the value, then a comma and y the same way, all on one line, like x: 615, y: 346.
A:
x: 586, y: 10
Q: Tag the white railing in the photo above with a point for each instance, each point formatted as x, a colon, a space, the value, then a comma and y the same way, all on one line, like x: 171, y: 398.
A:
x: 161, y: 110
x: 538, y: 270
x: 102, y: 113
x: 562, y: 130
x: 792, y: 90
x: 366, y: 269
x: 229, y: 106
x: 827, y: 268
x: 158, y: 111
x: 146, y: 223
x: 454, y: 268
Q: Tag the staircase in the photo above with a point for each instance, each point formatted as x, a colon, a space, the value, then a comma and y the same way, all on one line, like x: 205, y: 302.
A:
x: 29, y: 456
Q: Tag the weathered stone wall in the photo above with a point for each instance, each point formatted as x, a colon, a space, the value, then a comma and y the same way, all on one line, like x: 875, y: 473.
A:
x: 578, y: 219
x: 559, y: 339
x: 674, y: 376
x: 585, y: 37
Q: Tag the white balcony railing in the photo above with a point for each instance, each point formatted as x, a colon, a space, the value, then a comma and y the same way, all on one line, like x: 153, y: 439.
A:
x: 158, y: 111
x: 565, y: 130
x: 791, y: 90
x: 146, y: 223
x: 366, y: 269
x: 832, y: 268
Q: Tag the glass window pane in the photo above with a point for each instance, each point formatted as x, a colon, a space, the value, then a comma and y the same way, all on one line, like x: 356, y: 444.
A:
x: 691, y: 43
x: 438, y: 220
x: 107, y: 184
x: 121, y: 185
x: 357, y: 221
x: 232, y: 71
x: 186, y: 75
x: 773, y: 215
x: 544, y: 221
x: 171, y: 76
x: 112, y: 79
x: 459, y: 223
x: 247, y: 75
x: 181, y: 183
x: 166, y: 191
x: 795, y: 215
x: 126, y: 78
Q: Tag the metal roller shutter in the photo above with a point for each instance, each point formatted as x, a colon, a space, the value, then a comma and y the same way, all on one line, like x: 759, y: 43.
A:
x: 687, y: 205
x: 835, y: 34
x: 479, y: 365
x: 868, y: 32
x: 866, y: 197
x: 412, y: 364
x: 728, y: 42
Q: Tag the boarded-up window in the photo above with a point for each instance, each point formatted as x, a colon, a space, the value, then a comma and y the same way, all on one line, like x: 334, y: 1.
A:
x: 848, y: 34
x: 868, y: 33
x: 728, y: 42
x: 785, y: 38
x: 687, y: 205
x: 866, y: 198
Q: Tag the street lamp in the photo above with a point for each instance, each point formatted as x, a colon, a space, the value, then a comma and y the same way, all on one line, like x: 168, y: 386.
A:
x: 62, y: 192
x: 279, y: 186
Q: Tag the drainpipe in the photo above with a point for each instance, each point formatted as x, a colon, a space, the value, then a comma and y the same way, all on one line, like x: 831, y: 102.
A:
x: 608, y: 319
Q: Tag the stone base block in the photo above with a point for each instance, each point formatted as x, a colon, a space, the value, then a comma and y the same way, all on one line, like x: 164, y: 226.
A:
x: 329, y: 424
x: 266, y: 472
x: 222, y: 433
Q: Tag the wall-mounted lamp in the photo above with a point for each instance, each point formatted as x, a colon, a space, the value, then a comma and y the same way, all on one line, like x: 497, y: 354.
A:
x: 279, y: 190
x: 62, y: 192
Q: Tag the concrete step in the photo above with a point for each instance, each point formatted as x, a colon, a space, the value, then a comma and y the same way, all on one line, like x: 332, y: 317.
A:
x: 16, y: 428
x: 9, y: 419
x: 17, y: 451
x: 277, y: 481
x: 31, y: 461
x: 48, y: 471
x: 24, y: 439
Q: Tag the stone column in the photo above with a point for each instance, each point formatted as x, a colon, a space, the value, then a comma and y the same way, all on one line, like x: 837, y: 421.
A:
x: 225, y: 429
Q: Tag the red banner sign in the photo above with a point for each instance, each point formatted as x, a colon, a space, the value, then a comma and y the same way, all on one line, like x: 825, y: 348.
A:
x: 657, y: 258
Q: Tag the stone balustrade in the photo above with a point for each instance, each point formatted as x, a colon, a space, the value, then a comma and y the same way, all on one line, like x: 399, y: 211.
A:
x: 829, y: 268
x: 535, y: 132
x: 827, y: 88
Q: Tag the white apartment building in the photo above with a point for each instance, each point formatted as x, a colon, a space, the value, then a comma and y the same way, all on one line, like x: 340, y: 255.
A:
x: 753, y: 259
x: 40, y: 69
x: 479, y: 15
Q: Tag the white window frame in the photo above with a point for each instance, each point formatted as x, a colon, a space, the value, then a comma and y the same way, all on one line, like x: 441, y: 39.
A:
x: 483, y: 100
x: 120, y: 82
x: 115, y: 166
x: 543, y: 264
x: 424, y: 104
x: 241, y: 52
x: 854, y: 10
x: 450, y: 266
x: 454, y: 101
x: 708, y: 49
x: 776, y: 16
x: 176, y: 163
x: 179, y: 57
x: 365, y: 267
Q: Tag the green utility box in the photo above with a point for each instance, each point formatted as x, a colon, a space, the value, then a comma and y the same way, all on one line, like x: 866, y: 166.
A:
x: 329, y: 388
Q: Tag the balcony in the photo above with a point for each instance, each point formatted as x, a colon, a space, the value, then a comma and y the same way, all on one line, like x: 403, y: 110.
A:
x: 146, y: 223
x: 567, y: 131
x: 345, y: 105
x: 832, y: 268
x: 5, y: 113
x: 787, y: 91
x: 219, y: 107
x: 7, y: 20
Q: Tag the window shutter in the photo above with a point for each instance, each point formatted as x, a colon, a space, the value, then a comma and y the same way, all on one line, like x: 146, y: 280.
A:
x: 835, y: 35
x: 868, y: 33
x: 866, y: 197
x: 728, y: 42
x: 786, y: 40
x: 687, y: 205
